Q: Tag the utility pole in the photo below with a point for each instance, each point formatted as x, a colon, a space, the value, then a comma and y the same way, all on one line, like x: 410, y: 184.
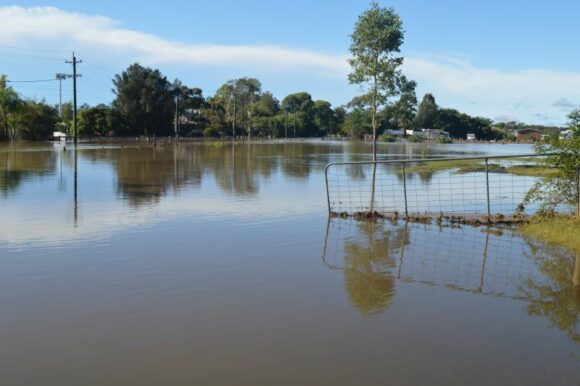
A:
x: 286, y: 126
x: 234, y: 120
x: 60, y: 77
x: 330, y: 125
x: 176, y: 119
x: 74, y: 62
x: 294, y: 111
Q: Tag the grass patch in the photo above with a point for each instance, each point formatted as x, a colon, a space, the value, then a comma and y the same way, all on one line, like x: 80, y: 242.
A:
x: 556, y: 230
x: 533, y: 171
x: 476, y: 165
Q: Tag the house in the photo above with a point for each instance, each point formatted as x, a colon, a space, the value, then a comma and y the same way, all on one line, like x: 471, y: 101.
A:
x: 434, y: 133
x: 470, y: 137
x: 566, y: 134
x: 395, y: 132
x: 59, y: 136
x: 528, y: 135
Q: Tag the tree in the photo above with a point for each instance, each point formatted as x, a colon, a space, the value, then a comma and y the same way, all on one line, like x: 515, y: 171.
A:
x: 38, y: 121
x: 300, y: 108
x: 323, y: 115
x: 95, y: 121
x: 561, y: 188
x: 10, y: 103
x: 145, y: 101
x: 356, y: 123
x: 376, y: 40
x: 574, y: 122
x: 427, y: 113
x: 403, y: 110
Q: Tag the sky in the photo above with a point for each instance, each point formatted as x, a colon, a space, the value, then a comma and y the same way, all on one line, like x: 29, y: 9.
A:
x: 504, y: 60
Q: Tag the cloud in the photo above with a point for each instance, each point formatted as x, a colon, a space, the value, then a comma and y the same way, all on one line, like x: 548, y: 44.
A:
x: 48, y: 24
x: 455, y: 80
x: 564, y: 104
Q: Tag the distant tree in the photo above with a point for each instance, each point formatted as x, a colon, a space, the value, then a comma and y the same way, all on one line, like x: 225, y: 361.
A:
x: 403, y: 111
x: 215, y: 116
x: 376, y: 41
x: 338, y: 117
x: 574, y: 122
x: 356, y: 123
x: 95, y: 121
x: 427, y: 112
x: 10, y: 104
x: 38, y: 121
x: 267, y: 120
x: 323, y: 115
x: 300, y: 109
x: 145, y: 101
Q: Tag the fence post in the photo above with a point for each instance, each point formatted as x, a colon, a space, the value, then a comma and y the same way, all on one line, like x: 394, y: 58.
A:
x: 487, y: 189
x: 405, y: 189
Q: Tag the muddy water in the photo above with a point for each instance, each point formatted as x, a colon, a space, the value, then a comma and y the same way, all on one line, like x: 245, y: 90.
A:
x: 217, y: 265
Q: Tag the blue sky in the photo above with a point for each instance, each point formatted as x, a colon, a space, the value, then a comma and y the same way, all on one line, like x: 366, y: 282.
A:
x: 499, y: 59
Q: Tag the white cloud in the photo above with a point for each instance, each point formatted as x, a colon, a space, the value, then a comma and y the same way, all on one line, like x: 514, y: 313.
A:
x: 455, y: 81
x: 50, y: 25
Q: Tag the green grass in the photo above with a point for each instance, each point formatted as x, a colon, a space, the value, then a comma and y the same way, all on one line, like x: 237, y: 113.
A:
x: 556, y: 230
x: 476, y: 165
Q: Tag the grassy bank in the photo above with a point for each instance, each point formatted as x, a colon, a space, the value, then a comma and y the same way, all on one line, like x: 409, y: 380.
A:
x: 556, y: 230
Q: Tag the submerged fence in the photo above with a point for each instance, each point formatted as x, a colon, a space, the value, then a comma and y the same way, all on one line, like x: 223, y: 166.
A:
x: 487, y: 189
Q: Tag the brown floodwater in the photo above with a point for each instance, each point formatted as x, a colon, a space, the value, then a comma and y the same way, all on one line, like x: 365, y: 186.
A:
x: 216, y: 264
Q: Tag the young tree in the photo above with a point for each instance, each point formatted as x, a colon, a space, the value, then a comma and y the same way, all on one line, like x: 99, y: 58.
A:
x: 376, y: 41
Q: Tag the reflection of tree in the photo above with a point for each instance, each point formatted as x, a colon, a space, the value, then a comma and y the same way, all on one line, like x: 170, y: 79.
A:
x: 368, y: 266
x: 558, y: 297
x: 18, y: 166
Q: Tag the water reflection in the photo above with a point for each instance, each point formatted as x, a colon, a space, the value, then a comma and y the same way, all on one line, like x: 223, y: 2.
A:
x: 557, y: 297
x: 369, y: 265
x: 17, y: 167
x: 145, y: 174
x: 375, y: 256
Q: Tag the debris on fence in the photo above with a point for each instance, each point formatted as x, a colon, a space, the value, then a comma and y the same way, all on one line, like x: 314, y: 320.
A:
x: 428, y: 218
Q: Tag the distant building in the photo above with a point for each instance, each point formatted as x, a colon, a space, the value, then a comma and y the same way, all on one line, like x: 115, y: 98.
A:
x: 435, y: 133
x: 395, y: 132
x: 528, y: 135
x: 566, y: 134
x: 59, y: 136
x: 470, y: 137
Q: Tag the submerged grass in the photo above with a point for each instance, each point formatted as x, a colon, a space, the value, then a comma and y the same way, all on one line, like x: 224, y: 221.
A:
x: 556, y: 230
x: 476, y: 165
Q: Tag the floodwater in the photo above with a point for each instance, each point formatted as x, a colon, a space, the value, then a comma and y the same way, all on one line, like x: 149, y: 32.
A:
x: 216, y: 264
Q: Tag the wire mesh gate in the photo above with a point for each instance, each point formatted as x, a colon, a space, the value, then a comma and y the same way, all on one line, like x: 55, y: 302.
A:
x: 462, y: 189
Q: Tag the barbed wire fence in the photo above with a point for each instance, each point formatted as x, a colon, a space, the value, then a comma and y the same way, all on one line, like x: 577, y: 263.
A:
x: 478, y: 189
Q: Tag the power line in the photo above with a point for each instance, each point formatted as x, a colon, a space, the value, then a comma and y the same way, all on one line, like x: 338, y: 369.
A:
x: 30, y: 49
x: 27, y: 57
x: 31, y: 81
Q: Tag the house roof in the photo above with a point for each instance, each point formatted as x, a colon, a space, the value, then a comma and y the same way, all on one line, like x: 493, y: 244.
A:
x: 526, y: 131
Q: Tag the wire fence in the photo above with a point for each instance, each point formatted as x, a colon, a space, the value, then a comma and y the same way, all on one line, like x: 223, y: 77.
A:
x: 477, y: 188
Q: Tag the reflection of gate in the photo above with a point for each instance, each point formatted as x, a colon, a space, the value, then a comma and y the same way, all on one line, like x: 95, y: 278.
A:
x: 473, y: 188
x: 478, y: 260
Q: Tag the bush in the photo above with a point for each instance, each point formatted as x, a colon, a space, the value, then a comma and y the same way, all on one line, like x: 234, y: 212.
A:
x: 560, y: 188
x: 211, y: 132
x: 416, y: 139
x: 443, y: 139
x: 386, y: 137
